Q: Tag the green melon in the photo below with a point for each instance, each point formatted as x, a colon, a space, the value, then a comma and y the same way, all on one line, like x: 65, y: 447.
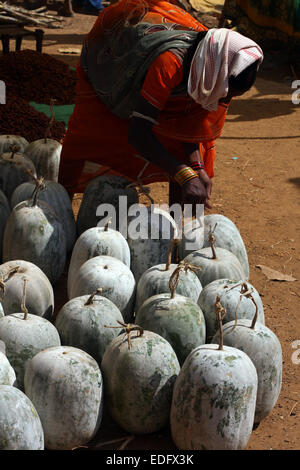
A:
x: 97, y: 241
x: 65, y: 386
x: 57, y: 197
x: 214, y: 397
x: 8, y: 141
x: 35, y: 233
x: 45, y: 155
x: 115, y: 279
x: 139, y: 380
x: 39, y: 291
x: 236, y: 305
x: 20, y: 425
x: 82, y: 321
x: 106, y: 189
x: 13, y: 171
x: 178, y: 319
x: 264, y: 349
x: 24, y: 338
x: 7, y: 373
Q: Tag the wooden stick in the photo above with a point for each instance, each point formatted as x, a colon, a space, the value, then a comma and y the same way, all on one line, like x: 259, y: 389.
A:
x: 36, y: 13
x: 37, y: 10
x: 42, y: 19
x: 9, y: 19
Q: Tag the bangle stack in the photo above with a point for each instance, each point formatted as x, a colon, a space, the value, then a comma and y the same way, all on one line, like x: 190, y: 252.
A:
x: 184, y: 175
x: 197, y: 166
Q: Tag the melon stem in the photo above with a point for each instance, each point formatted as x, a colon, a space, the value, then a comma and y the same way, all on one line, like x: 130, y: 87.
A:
x: 212, y: 241
x: 244, y: 292
x: 90, y: 300
x: 23, y: 306
x: 14, y: 150
x: 221, y: 312
x: 129, y: 327
x: 255, y: 315
x: 174, y: 279
x: 39, y: 186
x: 107, y: 224
x: 173, y: 243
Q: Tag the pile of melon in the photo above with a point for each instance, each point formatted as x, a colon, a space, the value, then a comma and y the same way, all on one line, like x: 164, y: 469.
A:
x: 154, y: 333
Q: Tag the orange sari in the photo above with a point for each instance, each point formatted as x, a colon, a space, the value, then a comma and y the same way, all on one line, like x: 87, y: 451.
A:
x: 97, y: 140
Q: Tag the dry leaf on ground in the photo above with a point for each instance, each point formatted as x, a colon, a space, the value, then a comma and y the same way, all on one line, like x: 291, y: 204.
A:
x: 273, y: 275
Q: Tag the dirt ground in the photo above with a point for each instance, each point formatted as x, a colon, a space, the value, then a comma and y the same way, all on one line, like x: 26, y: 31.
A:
x: 256, y: 185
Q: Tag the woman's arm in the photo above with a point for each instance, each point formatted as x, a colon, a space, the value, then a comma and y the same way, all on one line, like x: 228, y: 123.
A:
x: 193, y: 157
x: 141, y: 137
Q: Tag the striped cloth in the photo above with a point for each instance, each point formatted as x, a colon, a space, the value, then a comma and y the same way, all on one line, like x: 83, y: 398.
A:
x: 221, y: 54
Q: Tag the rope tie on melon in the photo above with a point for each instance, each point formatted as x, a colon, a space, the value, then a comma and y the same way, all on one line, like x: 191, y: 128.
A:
x: 40, y: 185
x: 129, y: 327
x: 174, y: 242
x: 14, y: 149
x: 212, y: 240
x: 245, y: 292
x: 183, y: 266
x: 221, y: 312
x: 6, y: 277
x: 255, y: 315
x: 23, y: 306
x: 52, y: 119
x: 90, y: 300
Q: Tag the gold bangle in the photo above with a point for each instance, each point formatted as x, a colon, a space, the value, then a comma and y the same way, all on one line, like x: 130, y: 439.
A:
x: 184, y: 175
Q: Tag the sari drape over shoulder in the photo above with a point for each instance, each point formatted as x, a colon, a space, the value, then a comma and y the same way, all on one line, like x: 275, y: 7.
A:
x: 131, y: 50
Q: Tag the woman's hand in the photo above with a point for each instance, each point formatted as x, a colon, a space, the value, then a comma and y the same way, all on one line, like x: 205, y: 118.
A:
x: 195, y: 192
x: 207, y: 182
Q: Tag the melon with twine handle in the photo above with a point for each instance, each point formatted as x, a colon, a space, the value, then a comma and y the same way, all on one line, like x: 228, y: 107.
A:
x: 196, y: 235
x: 8, y: 140
x: 175, y: 317
x: 216, y: 263
x: 39, y: 295
x: 156, y: 280
x: 40, y: 236
x: 45, y: 153
x: 24, y: 336
x: 214, y: 397
x: 14, y: 168
x: 264, y: 349
x: 57, y: 197
x: 234, y: 298
x: 139, y: 370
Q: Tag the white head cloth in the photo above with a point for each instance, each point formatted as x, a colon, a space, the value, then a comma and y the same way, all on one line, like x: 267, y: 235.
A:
x: 219, y: 55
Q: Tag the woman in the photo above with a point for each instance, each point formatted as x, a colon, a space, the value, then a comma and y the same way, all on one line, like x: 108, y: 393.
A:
x: 153, y: 90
